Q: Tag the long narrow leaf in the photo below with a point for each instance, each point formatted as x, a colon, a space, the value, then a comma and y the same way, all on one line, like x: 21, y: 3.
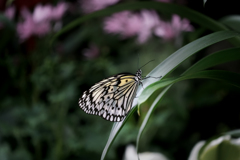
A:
x: 225, y: 76
x: 180, y: 55
x: 235, y: 133
x: 232, y: 21
x: 144, y: 123
x: 165, y: 67
x: 214, y: 59
x: 217, y: 58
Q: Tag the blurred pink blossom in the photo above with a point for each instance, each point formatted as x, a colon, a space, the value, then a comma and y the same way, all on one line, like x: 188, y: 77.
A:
x: 171, y: 30
x: 91, y: 52
x: 144, y: 24
x: 39, y: 22
x: 10, y: 12
x: 124, y: 23
x: 89, y: 6
x: 149, y: 20
x: 48, y: 12
x: 129, y: 24
x: 31, y: 27
x: 42, y: 13
x: 59, y: 10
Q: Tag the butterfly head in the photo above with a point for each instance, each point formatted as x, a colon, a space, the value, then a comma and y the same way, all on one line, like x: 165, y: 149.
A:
x: 139, y: 74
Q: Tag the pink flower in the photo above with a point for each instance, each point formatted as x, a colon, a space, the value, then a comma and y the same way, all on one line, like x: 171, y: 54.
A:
x: 89, y: 6
x: 179, y: 25
x: 149, y: 20
x: 48, y: 12
x: 31, y: 27
x: 129, y: 24
x: 144, y: 24
x: 25, y: 29
x: 124, y: 23
x: 170, y: 30
x: 42, y: 13
x: 165, y: 31
x: 59, y: 10
x: 10, y: 12
x: 39, y: 23
x: 91, y: 52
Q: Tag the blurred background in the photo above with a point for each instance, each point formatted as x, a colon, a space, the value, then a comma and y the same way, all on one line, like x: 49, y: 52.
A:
x: 41, y: 82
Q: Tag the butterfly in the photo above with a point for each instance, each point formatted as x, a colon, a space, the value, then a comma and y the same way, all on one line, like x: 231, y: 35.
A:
x: 112, y: 97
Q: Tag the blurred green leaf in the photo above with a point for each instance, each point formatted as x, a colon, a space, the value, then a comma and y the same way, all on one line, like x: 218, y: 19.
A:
x: 232, y: 21
x: 204, y: 2
x: 222, y: 148
x: 233, y: 133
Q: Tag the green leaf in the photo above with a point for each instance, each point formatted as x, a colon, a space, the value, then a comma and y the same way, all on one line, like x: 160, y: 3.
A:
x: 164, y: 68
x: 117, y: 126
x: 168, y: 8
x: 225, y: 76
x: 232, y: 21
x: 204, y: 2
x: 214, y: 59
x: 211, y: 60
x: 180, y: 55
x: 144, y: 123
x: 233, y: 133
x: 223, y: 148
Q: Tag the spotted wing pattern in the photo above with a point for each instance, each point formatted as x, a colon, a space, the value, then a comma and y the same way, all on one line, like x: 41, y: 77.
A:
x: 110, y: 98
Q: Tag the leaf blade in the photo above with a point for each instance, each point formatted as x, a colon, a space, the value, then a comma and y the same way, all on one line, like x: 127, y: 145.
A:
x: 180, y: 55
x: 161, y: 71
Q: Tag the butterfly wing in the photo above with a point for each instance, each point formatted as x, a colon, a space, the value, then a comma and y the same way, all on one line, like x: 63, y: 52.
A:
x: 110, y: 98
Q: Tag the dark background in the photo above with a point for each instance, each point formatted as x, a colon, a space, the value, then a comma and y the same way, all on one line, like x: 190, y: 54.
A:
x: 41, y: 84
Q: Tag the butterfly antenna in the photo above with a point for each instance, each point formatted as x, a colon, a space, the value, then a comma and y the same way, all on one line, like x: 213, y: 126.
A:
x: 146, y: 64
x: 138, y: 61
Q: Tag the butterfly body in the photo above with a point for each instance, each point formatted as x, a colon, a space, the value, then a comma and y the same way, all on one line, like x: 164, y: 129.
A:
x: 112, y: 97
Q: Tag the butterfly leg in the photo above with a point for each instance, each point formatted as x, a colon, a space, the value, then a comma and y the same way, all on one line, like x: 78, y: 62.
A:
x: 142, y: 86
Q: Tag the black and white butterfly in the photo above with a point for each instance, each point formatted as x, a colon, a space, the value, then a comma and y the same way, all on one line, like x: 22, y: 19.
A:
x: 112, y: 98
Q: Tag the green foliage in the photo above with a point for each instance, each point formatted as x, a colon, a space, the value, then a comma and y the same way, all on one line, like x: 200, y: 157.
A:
x: 167, y: 66
x: 223, y: 147
x: 44, y: 78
